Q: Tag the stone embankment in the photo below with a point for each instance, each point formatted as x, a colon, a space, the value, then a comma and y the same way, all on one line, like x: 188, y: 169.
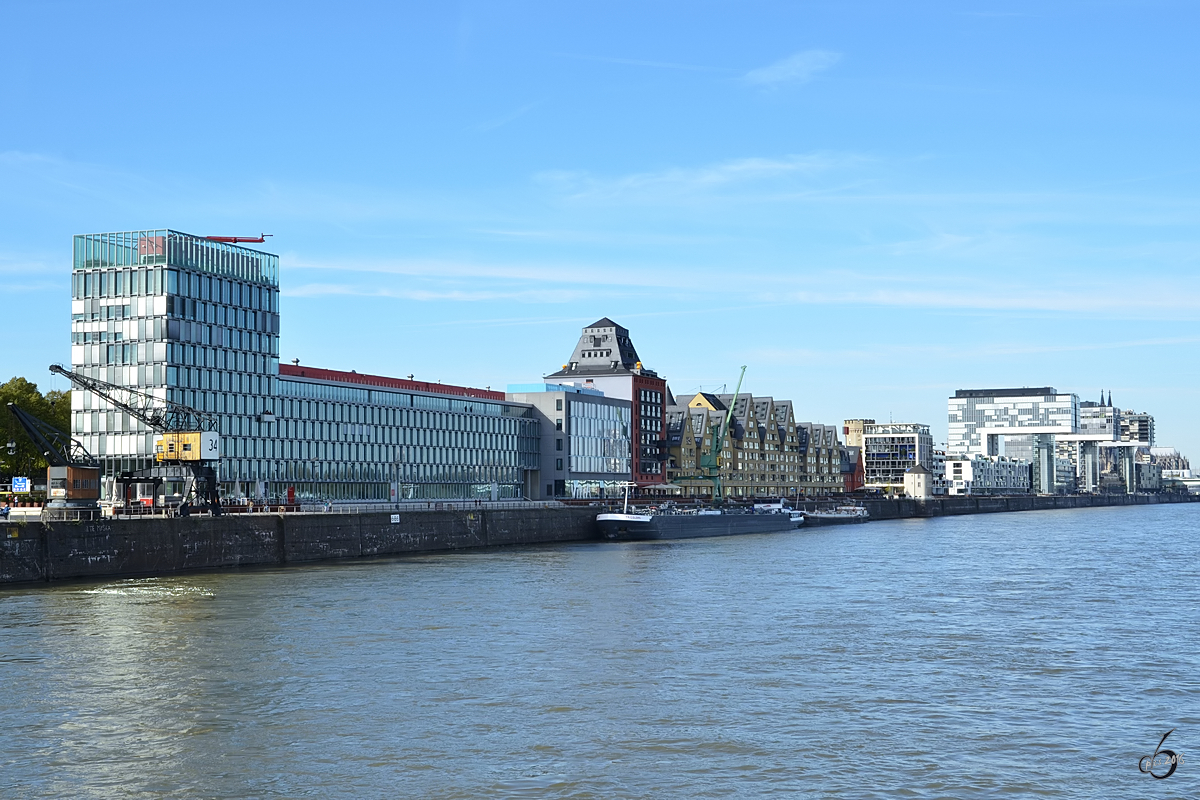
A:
x: 951, y: 506
x: 47, y: 551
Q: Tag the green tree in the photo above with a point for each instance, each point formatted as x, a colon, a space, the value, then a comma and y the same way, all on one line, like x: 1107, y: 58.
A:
x: 53, y: 408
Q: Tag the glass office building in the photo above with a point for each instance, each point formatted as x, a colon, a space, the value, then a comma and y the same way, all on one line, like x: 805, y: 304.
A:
x: 197, y: 321
x: 346, y: 436
x: 587, y: 443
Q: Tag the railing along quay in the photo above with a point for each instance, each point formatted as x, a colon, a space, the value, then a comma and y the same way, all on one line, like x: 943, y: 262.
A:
x: 409, y: 506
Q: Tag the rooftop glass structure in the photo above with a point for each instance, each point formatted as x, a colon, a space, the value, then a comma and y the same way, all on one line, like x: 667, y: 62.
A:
x: 166, y: 247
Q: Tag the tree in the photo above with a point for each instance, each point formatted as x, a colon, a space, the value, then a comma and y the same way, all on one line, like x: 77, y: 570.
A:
x: 54, y: 408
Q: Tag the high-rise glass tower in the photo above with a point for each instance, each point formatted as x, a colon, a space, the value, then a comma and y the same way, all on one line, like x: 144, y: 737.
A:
x: 183, y: 318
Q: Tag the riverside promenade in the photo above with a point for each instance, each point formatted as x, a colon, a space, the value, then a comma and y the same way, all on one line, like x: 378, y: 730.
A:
x: 116, y: 547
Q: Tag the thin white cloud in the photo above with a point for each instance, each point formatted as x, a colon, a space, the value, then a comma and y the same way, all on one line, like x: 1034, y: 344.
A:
x: 798, y: 68
x: 694, y: 287
x: 685, y: 180
x: 498, y: 122
x: 891, y: 354
x: 939, y: 293
x: 425, y: 295
x: 560, y: 273
x: 635, y: 62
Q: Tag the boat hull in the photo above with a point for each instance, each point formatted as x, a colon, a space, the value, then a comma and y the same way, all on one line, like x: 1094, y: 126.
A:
x: 640, y: 528
x: 812, y: 520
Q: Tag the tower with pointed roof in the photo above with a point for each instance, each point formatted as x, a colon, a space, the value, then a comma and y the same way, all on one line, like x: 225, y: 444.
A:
x: 605, y: 359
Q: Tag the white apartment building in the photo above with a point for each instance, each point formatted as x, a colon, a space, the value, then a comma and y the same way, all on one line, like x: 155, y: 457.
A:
x: 892, y: 449
x: 1018, y: 423
x: 978, y: 474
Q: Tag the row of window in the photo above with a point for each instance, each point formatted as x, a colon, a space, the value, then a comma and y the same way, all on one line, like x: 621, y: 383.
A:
x: 395, y: 399
x: 151, y: 282
x: 214, y: 314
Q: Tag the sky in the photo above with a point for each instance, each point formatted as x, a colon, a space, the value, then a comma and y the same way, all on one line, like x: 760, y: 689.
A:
x: 868, y: 204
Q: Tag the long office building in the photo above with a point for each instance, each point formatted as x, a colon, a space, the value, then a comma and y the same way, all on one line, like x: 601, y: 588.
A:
x: 197, y: 321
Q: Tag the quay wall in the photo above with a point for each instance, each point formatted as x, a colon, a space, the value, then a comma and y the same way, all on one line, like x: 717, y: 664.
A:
x: 46, y: 551
x: 983, y: 504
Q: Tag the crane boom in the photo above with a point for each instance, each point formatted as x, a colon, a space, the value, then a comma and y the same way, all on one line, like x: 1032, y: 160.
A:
x: 710, y: 462
x: 729, y: 415
x: 188, y: 447
x: 158, y: 414
x: 262, y: 237
x: 59, y: 449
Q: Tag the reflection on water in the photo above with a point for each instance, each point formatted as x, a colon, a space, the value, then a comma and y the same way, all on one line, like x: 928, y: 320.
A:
x: 1009, y: 655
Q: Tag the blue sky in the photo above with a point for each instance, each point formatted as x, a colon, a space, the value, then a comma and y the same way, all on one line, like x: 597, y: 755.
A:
x: 870, y: 204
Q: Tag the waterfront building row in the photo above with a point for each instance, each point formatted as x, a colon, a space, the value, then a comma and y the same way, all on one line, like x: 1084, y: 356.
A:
x: 766, y: 452
x: 196, y: 321
x: 184, y: 318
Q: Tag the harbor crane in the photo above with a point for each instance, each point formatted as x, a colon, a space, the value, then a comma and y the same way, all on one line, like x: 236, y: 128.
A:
x: 711, y: 461
x: 187, y: 448
x: 73, y: 475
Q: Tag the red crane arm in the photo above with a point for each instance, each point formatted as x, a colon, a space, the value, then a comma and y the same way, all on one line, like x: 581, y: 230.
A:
x: 262, y: 237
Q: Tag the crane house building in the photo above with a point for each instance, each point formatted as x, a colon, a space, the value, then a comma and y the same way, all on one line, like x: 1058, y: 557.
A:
x: 196, y: 321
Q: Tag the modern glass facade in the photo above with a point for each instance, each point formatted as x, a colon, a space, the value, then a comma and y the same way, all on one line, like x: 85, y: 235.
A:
x: 196, y: 321
x: 1018, y: 423
x: 599, y: 438
x: 346, y: 442
x: 182, y: 318
x: 586, y: 442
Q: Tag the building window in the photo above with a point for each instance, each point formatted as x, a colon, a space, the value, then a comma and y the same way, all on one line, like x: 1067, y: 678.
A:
x: 558, y: 424
x: 558, y: 404
x: 558, y: 463
x: 558, y: 444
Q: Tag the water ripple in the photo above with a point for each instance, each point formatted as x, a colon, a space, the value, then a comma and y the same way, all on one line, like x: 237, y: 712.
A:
x: 1012, y: 655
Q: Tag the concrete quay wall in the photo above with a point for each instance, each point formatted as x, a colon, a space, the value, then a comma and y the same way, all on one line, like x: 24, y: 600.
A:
x: 982, y: 504
x: 40, y: 551
x: 104, y: 548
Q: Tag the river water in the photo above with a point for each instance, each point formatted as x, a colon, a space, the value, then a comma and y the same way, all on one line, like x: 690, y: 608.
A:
x: 1005, y: 655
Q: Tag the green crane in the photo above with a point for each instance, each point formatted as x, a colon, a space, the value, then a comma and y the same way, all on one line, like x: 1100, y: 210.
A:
x: 710, y: 462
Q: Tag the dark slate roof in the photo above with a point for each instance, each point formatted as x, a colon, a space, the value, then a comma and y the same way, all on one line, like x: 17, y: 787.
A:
x: 1024, y: 392
x: 917, y: 470
x: 604, y: 348
x: 604, y: 322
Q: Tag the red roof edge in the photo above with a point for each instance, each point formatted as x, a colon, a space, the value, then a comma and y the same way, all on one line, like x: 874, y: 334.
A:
x: 337, y: 376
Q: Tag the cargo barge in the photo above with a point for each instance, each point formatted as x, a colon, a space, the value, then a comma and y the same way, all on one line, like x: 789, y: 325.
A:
x: 626, y: 527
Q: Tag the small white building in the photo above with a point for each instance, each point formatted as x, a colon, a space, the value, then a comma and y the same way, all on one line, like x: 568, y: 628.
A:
x: 987, y: 475
x: 918, y: 483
